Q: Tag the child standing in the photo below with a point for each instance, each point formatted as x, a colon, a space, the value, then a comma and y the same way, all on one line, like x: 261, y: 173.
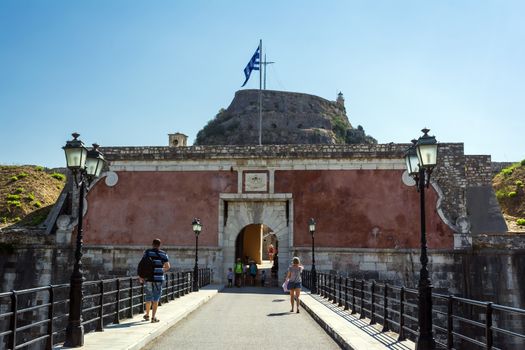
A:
x: 230, y: 277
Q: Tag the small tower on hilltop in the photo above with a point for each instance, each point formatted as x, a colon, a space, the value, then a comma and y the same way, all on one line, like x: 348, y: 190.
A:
x: 178, y: 140
x: 340, y: 99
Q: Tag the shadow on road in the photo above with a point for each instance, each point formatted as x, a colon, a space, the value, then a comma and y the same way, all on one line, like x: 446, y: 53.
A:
x: 253, y: 290
x: 279, y: 314
x: 126, y: 325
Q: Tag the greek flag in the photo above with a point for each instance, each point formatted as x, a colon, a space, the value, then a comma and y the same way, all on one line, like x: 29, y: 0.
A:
x: 252, y: 65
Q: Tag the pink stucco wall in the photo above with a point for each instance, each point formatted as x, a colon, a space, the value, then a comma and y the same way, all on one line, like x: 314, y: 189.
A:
x: 361, y: 209
x: 353, y: 208
x: 146, y: 205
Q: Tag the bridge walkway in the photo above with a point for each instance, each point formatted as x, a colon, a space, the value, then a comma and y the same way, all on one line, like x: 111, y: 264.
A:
x: 248, y: 317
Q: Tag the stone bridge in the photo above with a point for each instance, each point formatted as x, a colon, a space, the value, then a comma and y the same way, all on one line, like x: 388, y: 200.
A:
x: 249, y: 317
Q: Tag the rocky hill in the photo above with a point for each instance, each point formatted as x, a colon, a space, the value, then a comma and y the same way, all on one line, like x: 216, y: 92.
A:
x: 287, y: 118
x: 509, y: 186
x: 27, y: 194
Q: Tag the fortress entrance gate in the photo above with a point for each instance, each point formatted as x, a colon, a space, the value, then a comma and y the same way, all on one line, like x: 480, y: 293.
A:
x: 238, y: 211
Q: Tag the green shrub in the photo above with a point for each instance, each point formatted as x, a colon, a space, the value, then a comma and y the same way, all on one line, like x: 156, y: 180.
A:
x: 519, y: 183
x: 522, y: 162
x: 3, y: 220
x: 39, y: 168
x: 16, y: 204
x: 520, y: 222
x: 500, y: 194
x: 13, y: 197
x: 13, y: 178
x: 22, y: 175
x: 30, y: 197
x: 37, y: 204
x: 58, y: 176
x: 512, y: 194
x: 19, y: 190
x: 17, y: 219
x: 507, y: 171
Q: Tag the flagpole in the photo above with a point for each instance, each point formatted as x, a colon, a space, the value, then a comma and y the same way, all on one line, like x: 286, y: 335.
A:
x: 260, y: 91
x: 264, y: 86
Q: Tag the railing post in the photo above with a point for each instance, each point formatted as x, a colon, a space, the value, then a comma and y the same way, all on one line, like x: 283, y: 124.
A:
x: 353, y: 296
x: 320, y: 285
x: 385, y: 309
x: 117, y: 303
x: 14, y: 309
x: 142, y: 298
x: 172, y: 286
x: 50, y: 315
x: 178, y: 285
x: 130, y: 297
x: 329, y: 286
x: 340, y: 285
x: 488, y: 326
x: 362, y: 315
x: 373, y: 302
x: 100, y: 323
x: 450, y: 322
x: 334, y: 299
x: 401, y: 314
x: 346, y: 293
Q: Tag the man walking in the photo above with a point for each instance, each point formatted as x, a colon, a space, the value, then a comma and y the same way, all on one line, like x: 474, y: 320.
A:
x: 153, y: 281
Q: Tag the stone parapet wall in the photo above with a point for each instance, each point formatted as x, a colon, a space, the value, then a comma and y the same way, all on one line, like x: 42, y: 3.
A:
x: 478, y: 170
x: 460, y: 273
x: 112, y: 261
x: 499, y: 166
x: 358, y: 151
x: 504, y: 242
x: 449, y: 174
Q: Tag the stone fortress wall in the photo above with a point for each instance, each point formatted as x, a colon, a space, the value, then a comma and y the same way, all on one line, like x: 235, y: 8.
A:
x: 482, y: 254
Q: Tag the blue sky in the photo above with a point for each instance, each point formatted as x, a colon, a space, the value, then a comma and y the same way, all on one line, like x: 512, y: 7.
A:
x: 130, y: 72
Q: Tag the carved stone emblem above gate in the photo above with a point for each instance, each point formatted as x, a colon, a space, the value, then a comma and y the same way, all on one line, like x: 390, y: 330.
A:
x: 256, y: 182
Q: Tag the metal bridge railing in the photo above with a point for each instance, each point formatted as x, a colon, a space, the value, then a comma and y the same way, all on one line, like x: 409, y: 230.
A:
x: 38, y: 316
x: 458, y: 323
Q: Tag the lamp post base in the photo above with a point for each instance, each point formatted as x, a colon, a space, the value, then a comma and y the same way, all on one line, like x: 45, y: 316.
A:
x: 196, y: 278
x: 314, y: 281
x: 425, y: 343
x: 74, y: 336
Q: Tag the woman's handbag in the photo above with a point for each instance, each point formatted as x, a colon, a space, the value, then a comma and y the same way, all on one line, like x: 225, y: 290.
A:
x: 285, y: 286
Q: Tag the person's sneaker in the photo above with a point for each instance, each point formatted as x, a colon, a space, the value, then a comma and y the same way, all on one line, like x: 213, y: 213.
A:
x: 154, y: 320
x: 146, y: 317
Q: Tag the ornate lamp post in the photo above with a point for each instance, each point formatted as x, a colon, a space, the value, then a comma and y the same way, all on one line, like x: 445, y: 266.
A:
x: 197, y: 228
x: 311, y: 228
x: 85, y: 166
x: 421, y: 158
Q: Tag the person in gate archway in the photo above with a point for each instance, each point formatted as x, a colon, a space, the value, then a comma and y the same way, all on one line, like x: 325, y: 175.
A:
x: 238, y: 269
x: 253, y: 272
x: 295, y: 281
x: 271, y: 252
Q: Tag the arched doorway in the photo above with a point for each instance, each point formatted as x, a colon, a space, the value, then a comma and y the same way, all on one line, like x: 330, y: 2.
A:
x: 240, y: 212
x: 253, y: 243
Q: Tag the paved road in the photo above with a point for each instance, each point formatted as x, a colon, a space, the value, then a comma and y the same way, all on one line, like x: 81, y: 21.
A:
x: 245, y: 318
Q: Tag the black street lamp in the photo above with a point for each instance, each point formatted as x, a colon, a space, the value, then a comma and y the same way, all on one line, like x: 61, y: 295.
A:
x: 421, y: 158
x: 197, y: 228
x: 86, y: 165
x: 311, y: 228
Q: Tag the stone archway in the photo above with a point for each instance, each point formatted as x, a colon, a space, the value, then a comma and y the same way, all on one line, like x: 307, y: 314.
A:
x: 239, y: 211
